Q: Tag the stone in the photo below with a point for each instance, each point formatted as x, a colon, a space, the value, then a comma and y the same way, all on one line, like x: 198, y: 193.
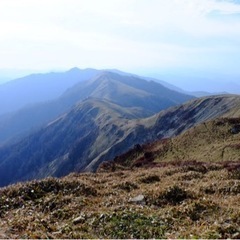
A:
x: 140, y: 199
x: 78, y: 220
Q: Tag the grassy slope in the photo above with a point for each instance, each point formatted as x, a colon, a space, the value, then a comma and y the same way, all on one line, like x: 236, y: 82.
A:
x: 179, y: 202
x: 188, y: 191
x: 211, y: 141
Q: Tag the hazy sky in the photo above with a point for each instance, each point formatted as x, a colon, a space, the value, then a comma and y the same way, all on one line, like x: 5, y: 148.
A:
x: 131, y: 35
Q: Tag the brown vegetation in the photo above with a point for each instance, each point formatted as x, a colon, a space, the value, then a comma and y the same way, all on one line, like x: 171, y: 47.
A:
x: 175, y: 204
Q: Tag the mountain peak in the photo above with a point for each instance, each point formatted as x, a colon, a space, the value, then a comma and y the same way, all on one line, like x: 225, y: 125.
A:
x: 74, y: 69
x: 78, y: 70
x: 107, y: 74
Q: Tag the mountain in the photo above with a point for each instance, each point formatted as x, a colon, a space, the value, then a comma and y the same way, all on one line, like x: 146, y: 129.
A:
x: 82, y: 134
x: 98, y: 130
x: 214, y: 142
x: 127, y: 91
x: 183, y: 187
x: 164, y: 83
x: 203, y: 94
x: 173, y: 121
x: 35, y: 88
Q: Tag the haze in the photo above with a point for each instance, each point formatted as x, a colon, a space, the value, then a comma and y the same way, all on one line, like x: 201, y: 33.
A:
x: 194, y: 44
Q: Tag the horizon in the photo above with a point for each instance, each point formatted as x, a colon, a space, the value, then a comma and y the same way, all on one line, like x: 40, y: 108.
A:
x: 203, y: 83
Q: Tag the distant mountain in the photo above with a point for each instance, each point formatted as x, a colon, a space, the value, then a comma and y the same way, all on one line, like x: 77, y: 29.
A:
x: 98, y: 130
x: 8, y: 74
x: 164, y: 83
x: 35, y: 88
x: 127, y: 91
x: 180, y: 90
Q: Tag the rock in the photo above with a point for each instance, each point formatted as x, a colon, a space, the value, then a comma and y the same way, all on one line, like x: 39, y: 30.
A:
x: 236, y: 235
x: 80, y: 219
x: 3, y: 235
x: 140, y: 199
x: 235, y: 129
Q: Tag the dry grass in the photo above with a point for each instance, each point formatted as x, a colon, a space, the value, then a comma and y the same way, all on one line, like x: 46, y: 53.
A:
x: 211, y: 141
x: 178, y: 203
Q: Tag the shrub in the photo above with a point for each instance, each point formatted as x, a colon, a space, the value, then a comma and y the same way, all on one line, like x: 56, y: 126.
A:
x: 127, y: 186
x: 174, y: 195
x: 150, y: 179
x: 233, y: 171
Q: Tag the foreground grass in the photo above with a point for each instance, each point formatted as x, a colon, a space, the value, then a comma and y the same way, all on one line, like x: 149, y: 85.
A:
x: 174, y: 201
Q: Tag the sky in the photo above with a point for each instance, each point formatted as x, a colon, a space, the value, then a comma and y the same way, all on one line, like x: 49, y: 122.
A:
x: 173, y: 39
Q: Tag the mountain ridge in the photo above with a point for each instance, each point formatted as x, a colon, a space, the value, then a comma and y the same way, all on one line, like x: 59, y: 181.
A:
x: 126, y: 93
x: 87, y: 136
x: 210, y: 142
x: 177, y: 187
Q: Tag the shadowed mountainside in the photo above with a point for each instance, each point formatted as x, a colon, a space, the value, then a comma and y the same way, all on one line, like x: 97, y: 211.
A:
x: 98, y: 130
x: 127, y: 91
x: 212, y: 142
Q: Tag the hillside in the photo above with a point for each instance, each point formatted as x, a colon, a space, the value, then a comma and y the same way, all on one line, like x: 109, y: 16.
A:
x: 65, y: 144
x: 127, y: 91
x: 98, y: 130
x: 175, y: 120
x: 172, y: 201
x: 215, y: 142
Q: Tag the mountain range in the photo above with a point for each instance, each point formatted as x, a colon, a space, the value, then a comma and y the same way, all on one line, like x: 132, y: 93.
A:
x: 98, y: 130
x: 211, y: 142
x: 107, y: 148
x: 98, y: 116
x: 149, y: 96
x: 36, y: 88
